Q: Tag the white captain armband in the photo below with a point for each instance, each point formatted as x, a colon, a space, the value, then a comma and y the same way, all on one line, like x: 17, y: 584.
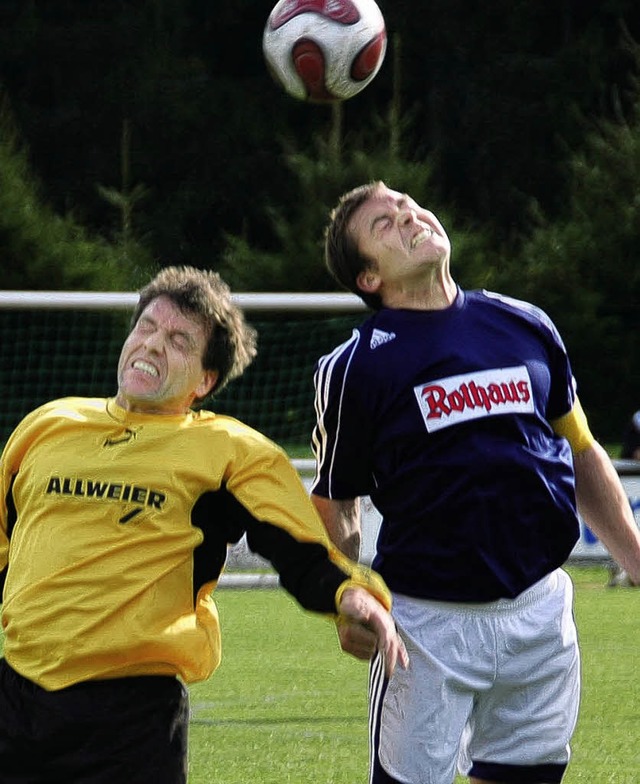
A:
x: 575, y: 428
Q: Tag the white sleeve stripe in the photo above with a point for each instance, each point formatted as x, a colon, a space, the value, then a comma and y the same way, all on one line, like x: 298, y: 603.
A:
x: 322, y: 381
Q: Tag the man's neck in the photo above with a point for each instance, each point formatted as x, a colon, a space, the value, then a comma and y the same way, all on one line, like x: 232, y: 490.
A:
x: 437, y: 294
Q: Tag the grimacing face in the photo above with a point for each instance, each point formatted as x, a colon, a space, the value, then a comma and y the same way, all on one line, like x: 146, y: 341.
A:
x: 160, y: 368
x: 401, y: 237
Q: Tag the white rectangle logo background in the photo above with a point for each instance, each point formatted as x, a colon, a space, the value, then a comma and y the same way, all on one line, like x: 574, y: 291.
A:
x: 449, y: 401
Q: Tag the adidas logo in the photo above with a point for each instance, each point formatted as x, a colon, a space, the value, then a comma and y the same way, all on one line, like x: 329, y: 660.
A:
x: 379, y: 336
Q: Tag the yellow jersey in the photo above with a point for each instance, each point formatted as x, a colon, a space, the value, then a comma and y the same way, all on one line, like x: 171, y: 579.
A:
x: 114, y: 529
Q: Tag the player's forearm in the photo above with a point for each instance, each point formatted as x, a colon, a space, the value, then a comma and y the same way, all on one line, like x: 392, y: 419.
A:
x: 341, y: 518
x: 604, y: 505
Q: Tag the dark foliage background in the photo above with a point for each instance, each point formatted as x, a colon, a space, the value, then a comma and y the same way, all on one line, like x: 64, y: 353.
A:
x: 137, y: 133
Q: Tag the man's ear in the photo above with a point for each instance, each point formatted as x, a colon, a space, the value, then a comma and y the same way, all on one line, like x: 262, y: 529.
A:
x: 369, y: 281
x: 208, y: 383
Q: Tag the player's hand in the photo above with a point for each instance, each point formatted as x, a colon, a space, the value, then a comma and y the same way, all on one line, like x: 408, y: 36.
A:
x: 364, y: 627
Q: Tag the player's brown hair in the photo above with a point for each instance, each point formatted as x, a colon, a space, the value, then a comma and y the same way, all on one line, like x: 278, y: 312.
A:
x: 232, y: 343
x: 342, y: 255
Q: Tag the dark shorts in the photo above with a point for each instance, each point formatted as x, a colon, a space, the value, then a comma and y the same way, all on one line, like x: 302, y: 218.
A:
x: 125, y: 730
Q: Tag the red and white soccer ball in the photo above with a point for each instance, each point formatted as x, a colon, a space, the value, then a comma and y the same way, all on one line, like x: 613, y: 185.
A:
x: 324, y: 50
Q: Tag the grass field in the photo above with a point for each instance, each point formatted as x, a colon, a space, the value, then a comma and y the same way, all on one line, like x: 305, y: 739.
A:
x: 287, y: 707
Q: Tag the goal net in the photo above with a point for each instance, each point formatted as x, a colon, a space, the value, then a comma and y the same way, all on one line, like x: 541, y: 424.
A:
x: 54, y: 348
x: 56, y: 344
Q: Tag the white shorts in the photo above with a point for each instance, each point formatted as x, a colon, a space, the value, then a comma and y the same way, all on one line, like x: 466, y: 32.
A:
x: 493, y: 688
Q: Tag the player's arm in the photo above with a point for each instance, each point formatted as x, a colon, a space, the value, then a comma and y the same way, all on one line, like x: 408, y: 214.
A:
x: 341, y: 518
x: 7, y: 514
x: 601, y: 497
x: 282, y: 525
x: 342, y: 443
x: 575, y: 428
x: 603, y: 503
x: 323, y: 580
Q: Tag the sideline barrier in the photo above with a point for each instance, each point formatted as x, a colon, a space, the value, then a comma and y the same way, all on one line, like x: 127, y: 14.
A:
x: 588, y: 546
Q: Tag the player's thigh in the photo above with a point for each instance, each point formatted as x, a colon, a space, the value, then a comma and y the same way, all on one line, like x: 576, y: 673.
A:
x: 421, y: 714
x: 141, y: 738
x: 528, y: 717
x: 99, y: 732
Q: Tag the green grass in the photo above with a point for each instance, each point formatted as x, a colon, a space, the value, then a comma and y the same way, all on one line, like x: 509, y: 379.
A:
x: 296, y: 451
x: 287, y: 707
x: 606, y: 748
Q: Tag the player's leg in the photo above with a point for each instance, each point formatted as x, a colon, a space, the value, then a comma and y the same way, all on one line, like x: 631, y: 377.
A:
x: 473, y: 780
x: 378, y: 684
x: 418, y: 716
x: 140, y: 734
x: 19, y: 761
x: 482, y: 781
x: 100, y: 732
x: 520, y: 730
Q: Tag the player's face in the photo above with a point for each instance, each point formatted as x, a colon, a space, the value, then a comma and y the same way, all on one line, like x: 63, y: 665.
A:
x: 404, y: 239
x: 160, y: 368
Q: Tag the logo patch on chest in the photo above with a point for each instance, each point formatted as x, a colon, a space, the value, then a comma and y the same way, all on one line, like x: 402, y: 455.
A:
x: 449, y: 401
x: 379, y: 337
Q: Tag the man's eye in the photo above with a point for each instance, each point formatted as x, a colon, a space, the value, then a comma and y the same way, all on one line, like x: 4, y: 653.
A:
x: 382, y: 225
x: 181, y: 342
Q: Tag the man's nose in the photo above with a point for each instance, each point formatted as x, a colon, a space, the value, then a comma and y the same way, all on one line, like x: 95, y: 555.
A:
x: 153, y: 341
x: 406, y: 216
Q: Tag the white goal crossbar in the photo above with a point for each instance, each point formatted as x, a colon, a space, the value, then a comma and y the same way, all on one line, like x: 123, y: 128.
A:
x: 251, y: 302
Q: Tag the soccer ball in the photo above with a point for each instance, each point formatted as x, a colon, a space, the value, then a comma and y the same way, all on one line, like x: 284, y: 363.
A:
x: 324, y: 51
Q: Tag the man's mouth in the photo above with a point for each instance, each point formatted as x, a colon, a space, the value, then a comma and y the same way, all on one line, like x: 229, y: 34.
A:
x: 421, y: 236
x: 145, y: 367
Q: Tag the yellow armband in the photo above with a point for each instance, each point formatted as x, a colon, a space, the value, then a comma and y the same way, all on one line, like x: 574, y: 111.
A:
x: 575, y: 428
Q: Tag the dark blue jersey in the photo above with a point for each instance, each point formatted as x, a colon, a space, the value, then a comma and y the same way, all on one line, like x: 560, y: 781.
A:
x: 442, y: 418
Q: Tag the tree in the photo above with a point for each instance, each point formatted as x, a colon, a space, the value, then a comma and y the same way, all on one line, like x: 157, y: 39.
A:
x: 583, y: 268
x: 41, y: 249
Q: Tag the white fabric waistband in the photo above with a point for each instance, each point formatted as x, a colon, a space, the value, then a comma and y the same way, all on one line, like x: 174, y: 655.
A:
x: 549, y: 584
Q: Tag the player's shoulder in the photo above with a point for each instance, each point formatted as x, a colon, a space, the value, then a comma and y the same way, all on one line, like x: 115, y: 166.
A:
x: 377, y: 330
x: 235, y: 431
x: 342, y: 354
x: 511, y: 305
x: 69, y: 408
x: 66, y: 410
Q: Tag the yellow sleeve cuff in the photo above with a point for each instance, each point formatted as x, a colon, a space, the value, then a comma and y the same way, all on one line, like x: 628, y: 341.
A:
x: 575, y: 428
x: 370, y: 581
